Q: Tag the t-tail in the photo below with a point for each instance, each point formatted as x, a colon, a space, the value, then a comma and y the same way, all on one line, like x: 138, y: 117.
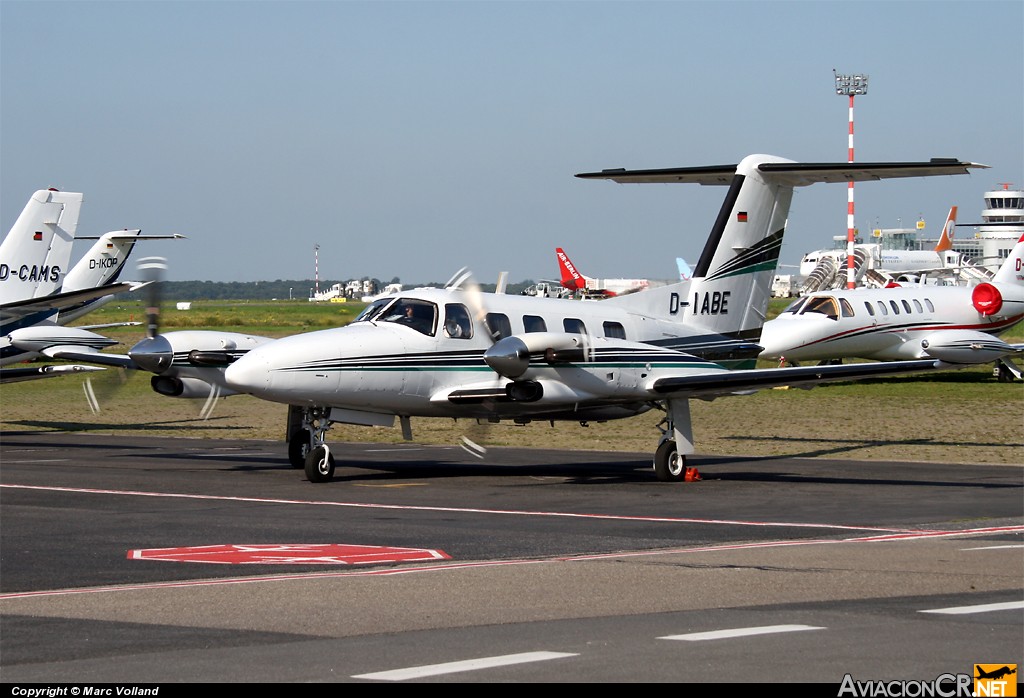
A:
x: 731, y: 285
x: 571, y: 277
x: 36, y: 253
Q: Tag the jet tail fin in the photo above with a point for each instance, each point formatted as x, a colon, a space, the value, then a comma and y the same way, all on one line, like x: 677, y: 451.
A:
x: 946, y: 239
x: 35, y: 255
x: 570, y: 277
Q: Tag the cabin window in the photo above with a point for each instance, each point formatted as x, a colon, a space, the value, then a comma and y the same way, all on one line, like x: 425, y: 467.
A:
x: 847, y: 308
x: 871, y: 311
x: 534, y: 323
x: 574, y: 326
x: 917, y: 304
x: 615, y: 330
x: 882, y: 306
x: 895, y: 308
x: 906, y: 306
x: 456, y: 321
x: 419, y: 315
x: 931, y: 308
x: 498, y: 325
x: 826, y: 305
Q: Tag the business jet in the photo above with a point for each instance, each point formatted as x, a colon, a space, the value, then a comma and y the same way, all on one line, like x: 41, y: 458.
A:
x: 905, y: 322
x: 591, y: 287
x: 40, y: 294
x: 877, y: 264
x: 457, y: 352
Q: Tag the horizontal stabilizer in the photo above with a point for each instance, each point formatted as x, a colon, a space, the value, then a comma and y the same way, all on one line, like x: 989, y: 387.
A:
x: 791, y: 173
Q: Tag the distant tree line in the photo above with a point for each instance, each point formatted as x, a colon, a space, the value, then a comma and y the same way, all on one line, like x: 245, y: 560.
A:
x: 296, y: 290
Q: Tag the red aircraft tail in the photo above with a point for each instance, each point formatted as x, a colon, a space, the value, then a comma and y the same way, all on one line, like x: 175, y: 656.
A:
x: 571, y: 279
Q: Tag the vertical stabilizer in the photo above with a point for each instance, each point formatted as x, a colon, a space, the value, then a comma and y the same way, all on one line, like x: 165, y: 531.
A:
x: 36, y: 253
x: 570, y: 276
x: 946, y: 239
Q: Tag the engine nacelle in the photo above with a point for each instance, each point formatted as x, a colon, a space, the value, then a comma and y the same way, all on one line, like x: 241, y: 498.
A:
x: 172, y: 386
x: 510, y: 357
x: 964, y: 347
x: 987, y: 299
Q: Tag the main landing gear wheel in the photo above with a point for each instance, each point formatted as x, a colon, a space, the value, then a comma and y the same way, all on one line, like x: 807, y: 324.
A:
x: 669, y: 465
x: 319, y: 465
x: 298, y: 448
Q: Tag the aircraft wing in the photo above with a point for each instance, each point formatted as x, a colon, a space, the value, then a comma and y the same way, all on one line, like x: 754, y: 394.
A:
x: 15, y: 375
x: 61, y: 301
x: 740, y: 381
x: 794, y: 173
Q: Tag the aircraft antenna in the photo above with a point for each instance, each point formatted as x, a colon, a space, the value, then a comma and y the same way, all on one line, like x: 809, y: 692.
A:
x: 850, y: 85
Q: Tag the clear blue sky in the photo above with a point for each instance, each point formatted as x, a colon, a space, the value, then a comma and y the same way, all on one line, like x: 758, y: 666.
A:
x: 412, y: 138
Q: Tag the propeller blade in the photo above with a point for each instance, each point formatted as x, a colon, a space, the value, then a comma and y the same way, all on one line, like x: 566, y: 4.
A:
x: 152, y: 270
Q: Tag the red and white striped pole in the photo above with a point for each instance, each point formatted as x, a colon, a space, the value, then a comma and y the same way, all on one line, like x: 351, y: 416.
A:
x: 850, y: 85
x: 316, y: 268
x: 850, y: 230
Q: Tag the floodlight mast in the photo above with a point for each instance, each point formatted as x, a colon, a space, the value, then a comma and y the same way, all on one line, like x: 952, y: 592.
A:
x: 850, y: 85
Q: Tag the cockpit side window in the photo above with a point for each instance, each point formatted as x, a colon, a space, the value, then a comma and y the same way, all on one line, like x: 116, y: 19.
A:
x: 419, y: 315
x: 456, y: 321
x: 847, y: 308
x: 826, y: 305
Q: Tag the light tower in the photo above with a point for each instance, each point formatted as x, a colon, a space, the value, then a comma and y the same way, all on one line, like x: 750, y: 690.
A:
x: 850, y: 85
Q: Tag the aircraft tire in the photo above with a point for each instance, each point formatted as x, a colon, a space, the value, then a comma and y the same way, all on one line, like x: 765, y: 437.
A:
x: 314, y: 471
x: 669, y: 465
x: 298, y: 448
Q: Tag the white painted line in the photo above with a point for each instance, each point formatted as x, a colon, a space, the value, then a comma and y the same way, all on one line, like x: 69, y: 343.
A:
x: 740, y: 632
x: 997, y: 547
x: 983, y: 608
x: 466, y: 665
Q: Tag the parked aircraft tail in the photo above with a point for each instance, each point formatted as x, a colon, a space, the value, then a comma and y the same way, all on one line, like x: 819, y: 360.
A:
x: 685, y: 272
x: 946, y: 239
x: 571, y: 278
x: 731, y: 285
x: 35, y: 255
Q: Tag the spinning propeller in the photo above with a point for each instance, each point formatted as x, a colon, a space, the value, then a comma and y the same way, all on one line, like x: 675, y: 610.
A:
x: 154, y: 353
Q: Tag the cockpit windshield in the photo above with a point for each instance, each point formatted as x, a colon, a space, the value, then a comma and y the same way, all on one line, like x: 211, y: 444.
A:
x: 419, y: 315
x: 370, y: 311
x: 826, y: 305
x: 795, y: 306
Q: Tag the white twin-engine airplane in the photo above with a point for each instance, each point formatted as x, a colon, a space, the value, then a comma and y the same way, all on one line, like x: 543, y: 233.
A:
x: 459, y: 353
x: 958, y: 324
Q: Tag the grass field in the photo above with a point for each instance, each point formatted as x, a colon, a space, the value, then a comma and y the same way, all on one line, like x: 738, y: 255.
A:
x: 955, y: 416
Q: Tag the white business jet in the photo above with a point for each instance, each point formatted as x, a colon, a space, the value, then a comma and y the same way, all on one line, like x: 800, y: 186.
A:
x: 459, y: 353
x: 905, y: 322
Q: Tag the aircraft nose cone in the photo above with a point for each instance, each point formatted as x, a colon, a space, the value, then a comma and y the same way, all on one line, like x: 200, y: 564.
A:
x: 248, y: 374
x: 153, y: 354
x: 773, y: 342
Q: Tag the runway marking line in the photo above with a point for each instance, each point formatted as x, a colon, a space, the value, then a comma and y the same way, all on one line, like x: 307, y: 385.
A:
x: 740, y: 632
x: 464, y: 510
x: 420, y: 672
x: 981, y: 608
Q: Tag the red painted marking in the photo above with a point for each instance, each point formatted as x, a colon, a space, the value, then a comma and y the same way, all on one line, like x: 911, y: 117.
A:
x: 289, y: 554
